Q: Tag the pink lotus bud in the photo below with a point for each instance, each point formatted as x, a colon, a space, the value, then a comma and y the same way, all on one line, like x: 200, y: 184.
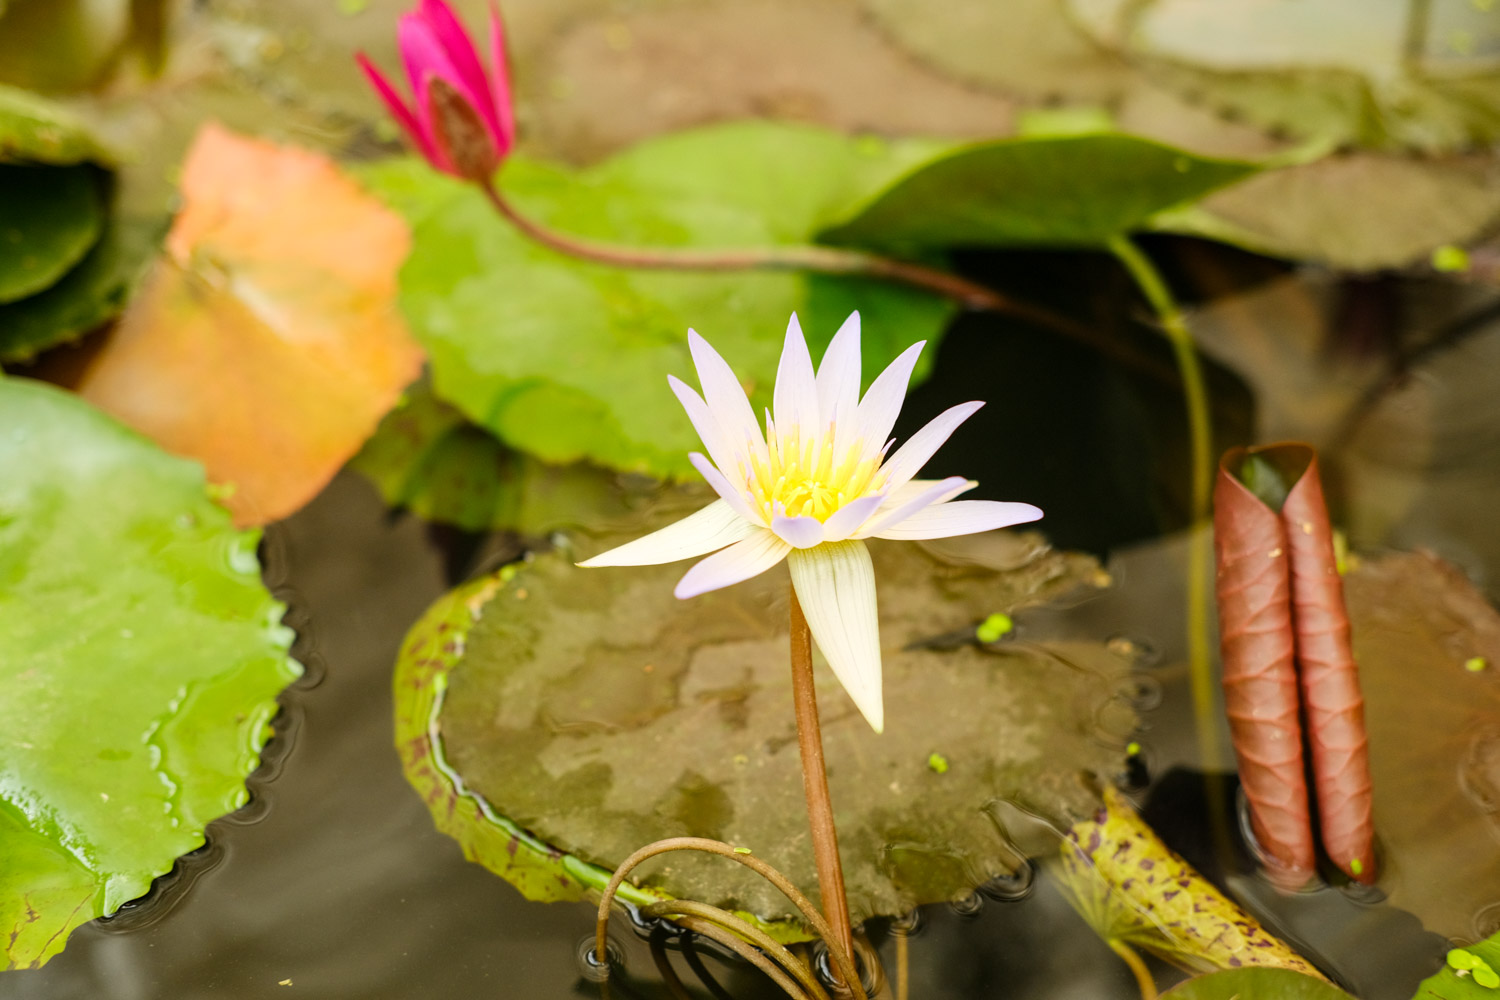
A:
x: 461, y: 119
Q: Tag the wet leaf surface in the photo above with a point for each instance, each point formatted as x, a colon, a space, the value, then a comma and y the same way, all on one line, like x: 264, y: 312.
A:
x: 598, y: 712
x: 1471, y: 972
x: 1133, y: 889
x: 36, y: 130
x: 1434, y: 735
x: 567, y: 360
x: 1255, y: 984
x: 266, y: 342
x: 139, y: 660
x: 49, y: 217
x: 1079, y: 190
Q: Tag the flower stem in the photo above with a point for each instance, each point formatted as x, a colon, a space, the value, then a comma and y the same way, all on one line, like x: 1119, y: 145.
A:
x: 820, y: 259
x: 1200, y: 434
x: 825, y: 838
x: 1138, y: 968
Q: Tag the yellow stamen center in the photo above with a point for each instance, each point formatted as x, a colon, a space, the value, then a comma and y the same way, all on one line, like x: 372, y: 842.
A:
x: 805, y: 478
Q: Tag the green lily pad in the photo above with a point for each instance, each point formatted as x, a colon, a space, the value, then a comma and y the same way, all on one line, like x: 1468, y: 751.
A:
x: 599, y: 713
x: 428, y: 458
x: 567, y: 360
x: 36, y: 130
x: 49, y: 218
x: 1256, y: 984
x: 140, y: 657
x: 94, y: 291
x: 1049, y: 190
x: 1469, y: 973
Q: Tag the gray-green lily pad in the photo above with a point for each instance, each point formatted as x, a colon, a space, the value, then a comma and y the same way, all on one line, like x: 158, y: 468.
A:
x: 596, y: 712
x: 93, y: 292
x: 567, y: 360
x: 1046, y: 190
x: 140, y: 657
x: 49, y: 218
x: 1256, y: 984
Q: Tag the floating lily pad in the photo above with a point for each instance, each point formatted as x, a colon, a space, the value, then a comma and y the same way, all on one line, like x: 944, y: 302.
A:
x: 567, y: 360
x: 94, y: 291
x: 36, y: 130
x: 1074, y: 190
x: 1434, y: 730
x: 597, y: 712
x: 1469, y: 973
x: 1256, y: 984
x: 140, y: 657
x: 49, y: 217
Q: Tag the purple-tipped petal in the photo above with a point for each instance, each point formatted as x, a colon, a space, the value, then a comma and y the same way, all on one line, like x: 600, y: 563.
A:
x: 851, y: 517
x: 795, y: 399
x: 730, y: 460
x: 393, y: 101
x: 708, y: 530
x: 911, y: 456
x: 505, y: 112
x: 961, y: 517
x: 739, y: 562
x: 722, y: 486
x: 449, y: 33
x: 798, y: 532
x: 838, y: 382
x: 940, y: 491
x: 881, y: 406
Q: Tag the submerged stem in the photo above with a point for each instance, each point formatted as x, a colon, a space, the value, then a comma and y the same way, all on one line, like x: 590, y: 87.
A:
x: 1200, y: 434
x: 825, y: 838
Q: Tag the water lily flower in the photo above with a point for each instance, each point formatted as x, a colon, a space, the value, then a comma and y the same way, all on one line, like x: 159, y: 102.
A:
x: 461, y: 119
x: 817, y: 483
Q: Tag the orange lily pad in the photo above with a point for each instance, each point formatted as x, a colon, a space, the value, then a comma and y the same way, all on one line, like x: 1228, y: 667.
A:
x: 267, y: 342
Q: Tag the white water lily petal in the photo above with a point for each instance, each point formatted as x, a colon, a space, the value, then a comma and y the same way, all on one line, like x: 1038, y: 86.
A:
x: 851, y: 517
x: 939, y: 492
x: 795, y: 398
x: 961, y: 517
x: 725, y: 397
x: 835, y: 585
x: 707, y: 530
x: 722, y: 486
x: 799, y: 532
x: 730, y: 459
x: 742, y: 560
x: 881, y: 406
x: 838, y: 383
x: 911, y: 456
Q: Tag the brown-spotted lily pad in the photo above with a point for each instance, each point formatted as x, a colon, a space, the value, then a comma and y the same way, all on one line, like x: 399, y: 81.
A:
x: 596, y: 712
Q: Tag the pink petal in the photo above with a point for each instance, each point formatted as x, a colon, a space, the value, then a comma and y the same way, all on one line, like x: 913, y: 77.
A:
x: 424, y: 55
x: 439, y: 157
x: 938, y: 492
x: 851, y: 517
x: 798, y: 532
x: 726, y: 398
x: 505, y: 112
x: 961, y: 517
x: 911, y: 456
x: 722, y: 486
x: 795, y: 400
x: 708, y: 530
x: 449, y: 33
x: 739, y: 562
x: 403, y: 114
x: 882, y: 403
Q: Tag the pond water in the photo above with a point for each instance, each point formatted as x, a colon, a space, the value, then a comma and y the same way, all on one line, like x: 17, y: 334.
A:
x: 333, y: 882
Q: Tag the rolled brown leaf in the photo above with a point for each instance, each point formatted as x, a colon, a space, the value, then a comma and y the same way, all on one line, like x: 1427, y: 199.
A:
x: 1260, y: 679
x: 1332, y: 704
